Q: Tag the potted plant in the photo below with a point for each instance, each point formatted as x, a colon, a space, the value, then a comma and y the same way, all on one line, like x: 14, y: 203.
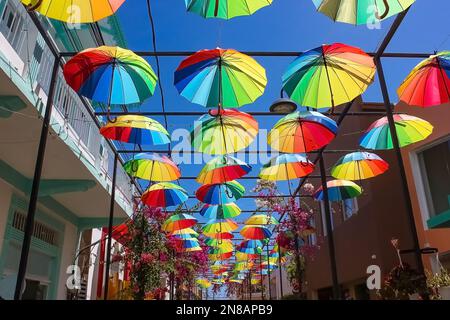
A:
x: 440, y: 284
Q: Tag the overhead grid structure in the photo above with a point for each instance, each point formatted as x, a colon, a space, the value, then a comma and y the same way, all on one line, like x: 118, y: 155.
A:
x: 120, y: 153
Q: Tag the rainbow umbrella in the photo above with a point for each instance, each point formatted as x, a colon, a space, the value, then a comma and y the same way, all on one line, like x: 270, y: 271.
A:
x: 81, y: 11
x: 243, y: 265
x: 359, y: 166
x: 220, y: 256
x: 203, y: 283
x: 137, y: 130
x: 245, y: 256
x: 219, y: 226
x: 409, y: 129
x: 225, y: 9
x: 428, y: 84
x: 220, y: 194
x: 220, y: 78
x: 300, y: 132
x: 286, y: 167
x: 222, y: 169
x: 254, y: 232
x: 339, y: 190
x: 361, y: 12
x: 261, y: 219
x: 223, y: 131
x: 218, y: 235
x: 111, y: 75
x: 187, y: 233
x: 226, y: 248
x: 164, y: 194
x: 217, y: 242
x: 329, y: 76
x: 152, y: 167
x: 188, y: 245
x: 250, y: 246
x: 229, y: 210
x: 178, y: 222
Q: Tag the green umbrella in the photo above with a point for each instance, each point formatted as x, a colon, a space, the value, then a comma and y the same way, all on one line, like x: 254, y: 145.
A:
x: 225, y: 9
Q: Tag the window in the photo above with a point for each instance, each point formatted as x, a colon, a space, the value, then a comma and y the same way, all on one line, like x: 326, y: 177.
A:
x: 435, y: 168
x: 349, y: 208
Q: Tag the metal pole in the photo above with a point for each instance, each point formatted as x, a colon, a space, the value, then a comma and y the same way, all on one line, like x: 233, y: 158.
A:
x: 29, y: 223
x: 329, y: 228
x: 281, y: 272
x: 261, y: 275
x: 268, y: 271
x: 401, y: 166
x: 110, y: 227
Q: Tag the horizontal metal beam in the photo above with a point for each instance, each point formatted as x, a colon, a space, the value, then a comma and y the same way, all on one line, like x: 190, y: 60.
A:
x: 238, y: 152
x: 252, y: 177
x: 259, y: 54
x: 191, y: 114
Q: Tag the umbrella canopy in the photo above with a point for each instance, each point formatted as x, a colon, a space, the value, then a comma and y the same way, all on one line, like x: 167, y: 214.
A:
x: 219, y: 226
x: 225, y: 9
x: 229, y: 210
x: 218, y: 243
x: 250, y: 246
x: 81, y: 11
x: 220, y: 256
x: 203, y: 283
x: 254, y: 232
x: 339, y: 190
x: 245, y: 256
x: 164, y: 194
x: 222, y: 169
x: 359, y: 166
x: 178, y: 222
x: 218, y: 235
x: 187, y: 233
x: 111, y: 75
x: 220, y: 78
x: 261, y: 219
x: 328, y: 76
x: 226, y: 247
x: 243, y: 265
x: 152, y: 167
x: 409, y: 129
x: 361, y: 12
x: 286, y: 167
x: 428, y: 84
x: 188, y: 243
x: 220, y: 194
x: 301, y: 132
x: 223, y: 131
x: 137, y: 130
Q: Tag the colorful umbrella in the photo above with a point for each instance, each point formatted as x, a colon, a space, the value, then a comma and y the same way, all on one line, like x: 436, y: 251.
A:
x: 245, y: 256
x: 220, y: 256
x: 81, y: 11
x: 359, y: 166
x: 225, y: 9
x: 229, y: 210
x: 250, y: 246
x: 217, y: 242
x: 361, y: 12
x: 339, y: 190
x: 222, y: 169
x: 254, y: 232
x: 111, y: 75
x: 188, y: 245
x: 219, y: 226
x: 178, y: 222
x: 409, y: 129
x: 226, y: 248
x: 203, y: 283
x: 301, y: 132
x: 286, y: 167
x: 152, y: 167
x: 218, y: 235
x: 261, y: 219
x: 243, y: 265
x: 220, y: 194
x: 187, y: 233
x: 223, y: 131
x: 329, y: 76
x: 137, y: 130
x: 164, y: 194
x: 220, y: 78
x: 428, y: 84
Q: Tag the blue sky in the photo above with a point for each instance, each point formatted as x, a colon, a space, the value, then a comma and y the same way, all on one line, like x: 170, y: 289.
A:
x: 286, y: 25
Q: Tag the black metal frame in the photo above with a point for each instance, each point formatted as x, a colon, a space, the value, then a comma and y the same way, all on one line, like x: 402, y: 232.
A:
x: 380, y: 53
